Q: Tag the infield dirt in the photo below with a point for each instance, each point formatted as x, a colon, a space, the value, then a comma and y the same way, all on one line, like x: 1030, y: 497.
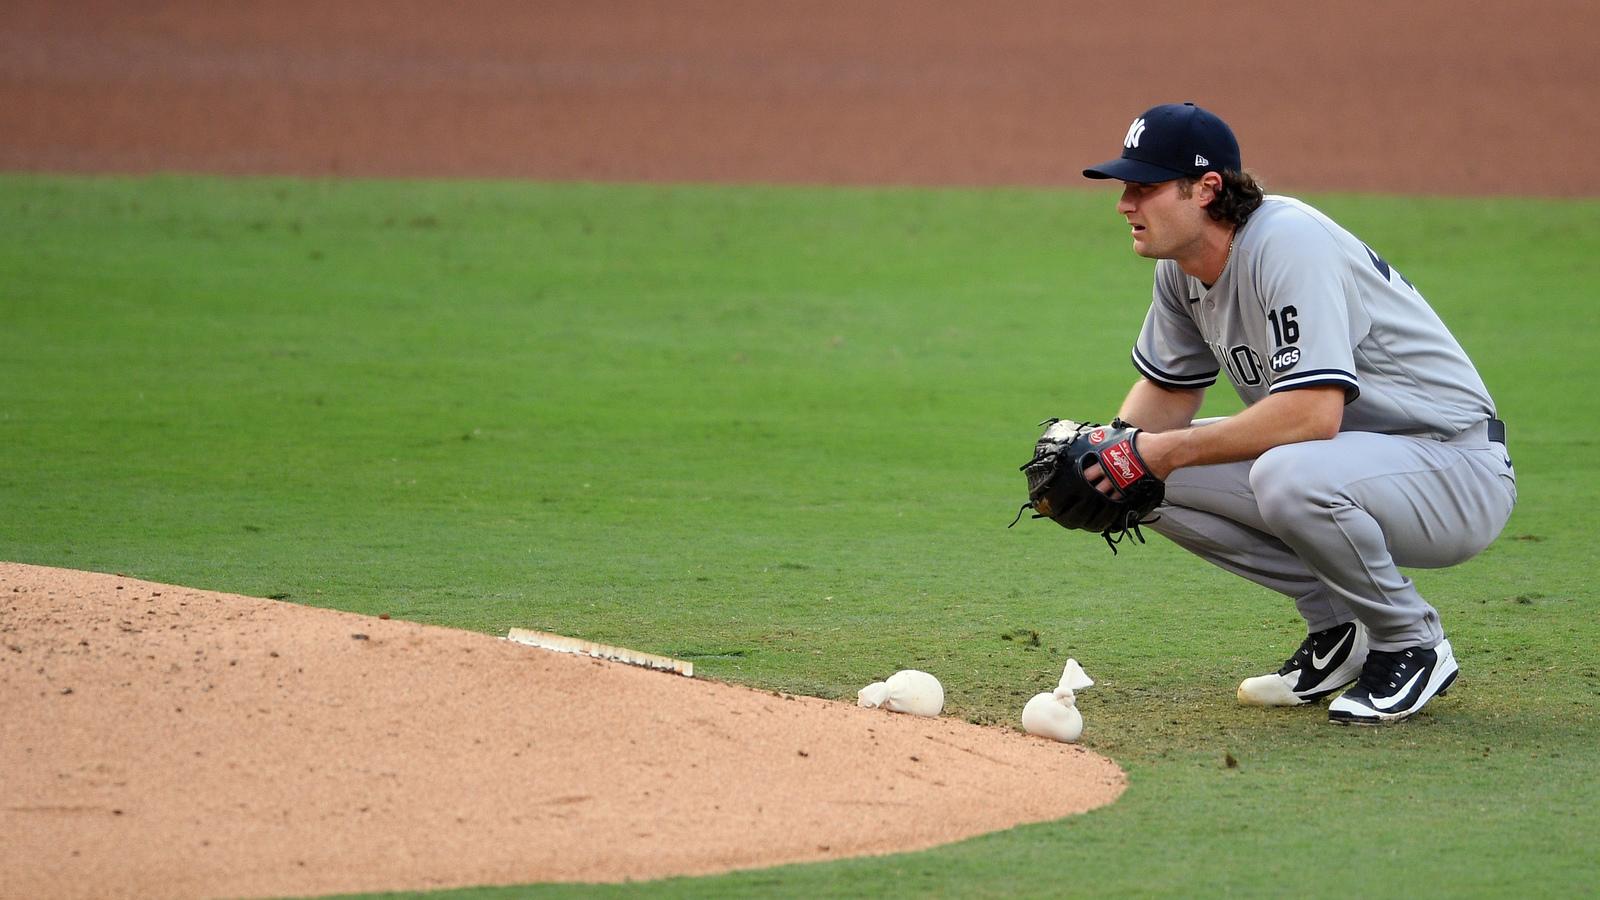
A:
x: 160, y: 741
x: 1431, y: 96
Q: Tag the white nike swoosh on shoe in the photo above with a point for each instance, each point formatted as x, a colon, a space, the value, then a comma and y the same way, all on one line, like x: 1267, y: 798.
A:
x: 1386, y: 705
x: 1321, y: 662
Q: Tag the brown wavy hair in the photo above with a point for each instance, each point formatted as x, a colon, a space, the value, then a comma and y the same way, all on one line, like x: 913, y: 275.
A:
x: 1239, y: 196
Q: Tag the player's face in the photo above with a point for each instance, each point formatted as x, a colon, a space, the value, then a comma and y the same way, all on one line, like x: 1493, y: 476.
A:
x: 1165, y: 224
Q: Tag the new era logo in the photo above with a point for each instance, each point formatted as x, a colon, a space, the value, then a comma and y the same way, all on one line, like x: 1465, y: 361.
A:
x: 1201, y: 160
x: 1135, y: 131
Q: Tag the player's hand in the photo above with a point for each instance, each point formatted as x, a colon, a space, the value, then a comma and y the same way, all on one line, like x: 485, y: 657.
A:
x: 1100, y: 481
x: 1152, y: 448
x: 1155, y: 448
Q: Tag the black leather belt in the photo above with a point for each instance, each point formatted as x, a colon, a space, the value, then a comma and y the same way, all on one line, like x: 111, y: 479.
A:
x: 1497, y: 432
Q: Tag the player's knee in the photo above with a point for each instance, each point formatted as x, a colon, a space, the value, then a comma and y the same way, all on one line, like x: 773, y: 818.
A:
x: 1288, y: 483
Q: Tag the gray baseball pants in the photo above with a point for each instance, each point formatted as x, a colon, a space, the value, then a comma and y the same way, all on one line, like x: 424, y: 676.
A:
x: 1328, y: 523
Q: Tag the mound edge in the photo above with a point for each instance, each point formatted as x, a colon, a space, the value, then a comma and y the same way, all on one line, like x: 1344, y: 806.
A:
x: 167, y: 741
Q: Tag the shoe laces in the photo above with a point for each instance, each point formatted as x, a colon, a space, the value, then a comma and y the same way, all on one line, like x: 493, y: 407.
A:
x: 1386, y: 670
x: 1302, y: 660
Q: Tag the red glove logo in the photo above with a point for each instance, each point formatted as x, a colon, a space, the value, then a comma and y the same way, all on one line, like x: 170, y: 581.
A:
x: 1121, y: 464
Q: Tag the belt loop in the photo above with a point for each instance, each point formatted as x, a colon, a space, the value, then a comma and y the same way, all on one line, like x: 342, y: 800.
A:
x: 1497, y: 432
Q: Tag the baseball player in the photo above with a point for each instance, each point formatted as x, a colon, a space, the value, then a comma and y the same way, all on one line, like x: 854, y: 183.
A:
x: 1368, y: 440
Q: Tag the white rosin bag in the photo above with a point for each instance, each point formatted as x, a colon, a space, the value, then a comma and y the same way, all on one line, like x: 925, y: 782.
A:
x: 1055, y: 715
x: 906, y: 691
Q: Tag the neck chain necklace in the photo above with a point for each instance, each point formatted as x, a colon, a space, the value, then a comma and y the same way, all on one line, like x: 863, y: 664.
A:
x: 1225, y: 260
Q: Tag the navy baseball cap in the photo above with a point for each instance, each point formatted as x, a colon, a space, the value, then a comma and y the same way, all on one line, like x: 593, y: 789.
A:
x: 1174, y: 140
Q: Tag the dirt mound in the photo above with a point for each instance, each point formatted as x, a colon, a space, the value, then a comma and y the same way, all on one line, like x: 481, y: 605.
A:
x: 164, y: 741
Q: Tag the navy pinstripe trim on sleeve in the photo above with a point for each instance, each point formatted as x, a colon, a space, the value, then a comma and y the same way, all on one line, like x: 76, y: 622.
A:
x: 1317, y: 378
x: 1180, y: 382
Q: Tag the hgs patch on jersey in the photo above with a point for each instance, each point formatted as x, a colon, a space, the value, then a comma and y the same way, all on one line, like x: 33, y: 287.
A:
x: 1285, y: 359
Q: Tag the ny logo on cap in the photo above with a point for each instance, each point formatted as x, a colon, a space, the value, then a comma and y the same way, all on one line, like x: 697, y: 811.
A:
x: 1135, y: 131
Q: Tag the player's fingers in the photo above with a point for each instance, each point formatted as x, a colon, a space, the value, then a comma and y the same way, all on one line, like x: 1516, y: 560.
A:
x: 1097, y: 479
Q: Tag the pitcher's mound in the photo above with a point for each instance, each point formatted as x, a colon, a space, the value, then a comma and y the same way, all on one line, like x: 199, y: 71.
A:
x: 164, y: 741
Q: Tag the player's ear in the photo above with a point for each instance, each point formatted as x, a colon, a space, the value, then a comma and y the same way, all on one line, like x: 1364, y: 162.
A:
x: 1210, y: 185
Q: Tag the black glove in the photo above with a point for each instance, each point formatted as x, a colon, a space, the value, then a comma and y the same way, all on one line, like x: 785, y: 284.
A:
x: 1058, y: 490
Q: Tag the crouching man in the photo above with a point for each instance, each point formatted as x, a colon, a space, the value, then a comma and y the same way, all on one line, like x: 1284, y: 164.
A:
x: 1368, y: 441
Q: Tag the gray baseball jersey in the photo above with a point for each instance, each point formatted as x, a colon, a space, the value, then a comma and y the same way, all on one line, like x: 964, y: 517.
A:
x: 1302, y: 302
x: 1413, y: 479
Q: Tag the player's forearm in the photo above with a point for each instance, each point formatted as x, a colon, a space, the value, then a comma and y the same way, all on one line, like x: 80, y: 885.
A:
x: 1310, y: 414
x: 1154, y: 408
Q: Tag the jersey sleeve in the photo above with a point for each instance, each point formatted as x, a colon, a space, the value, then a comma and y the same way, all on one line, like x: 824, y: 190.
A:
x: 1171, y: 351
x: 1307, y: 289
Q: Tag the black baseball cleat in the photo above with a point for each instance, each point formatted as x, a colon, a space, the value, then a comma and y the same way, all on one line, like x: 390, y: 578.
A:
x: 1394, y: 684
x: 1326, y: 661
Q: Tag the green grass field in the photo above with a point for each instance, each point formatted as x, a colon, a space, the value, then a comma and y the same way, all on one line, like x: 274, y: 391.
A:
x: 777, y: 431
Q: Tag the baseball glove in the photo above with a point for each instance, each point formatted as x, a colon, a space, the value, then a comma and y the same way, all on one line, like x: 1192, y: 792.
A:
x: 1058, y: 490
